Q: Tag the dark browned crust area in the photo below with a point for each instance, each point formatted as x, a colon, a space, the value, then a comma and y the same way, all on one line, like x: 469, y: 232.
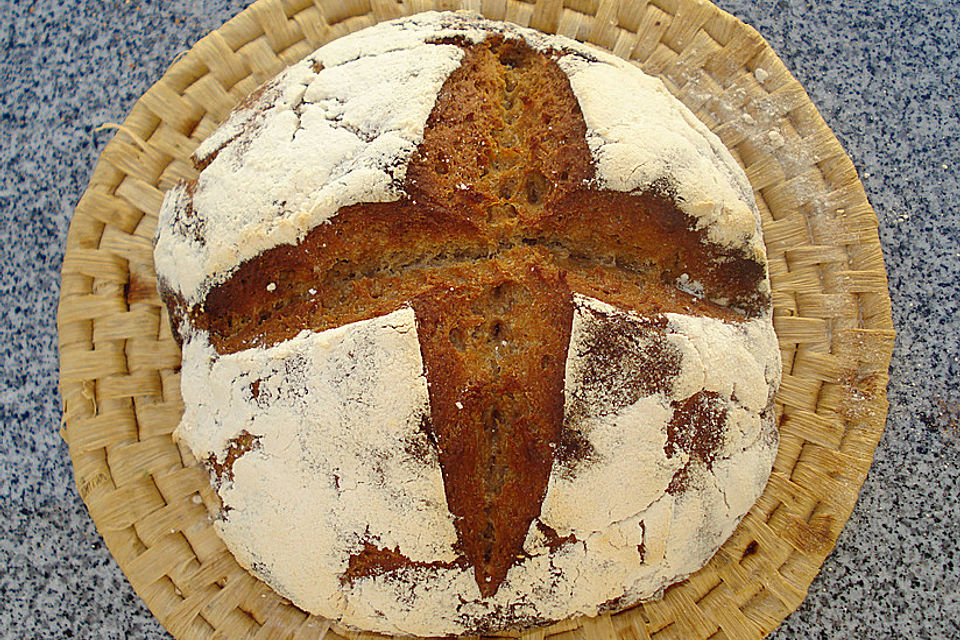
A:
x: 500, y: 225
x: 633, y: 358
x: 697, y: 429
x: 369, y: 260
x: 223, y: 469
x: 494, y: 349
x: 372, y: 560
x: 697, y: 426
x: 554, y: 540
x: 647, y: 232
x: 507, y: 126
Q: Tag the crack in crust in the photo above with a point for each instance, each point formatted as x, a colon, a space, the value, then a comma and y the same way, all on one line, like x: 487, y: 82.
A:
x: 222, y: 470
x: 373, y: 560
x: 500, y: 225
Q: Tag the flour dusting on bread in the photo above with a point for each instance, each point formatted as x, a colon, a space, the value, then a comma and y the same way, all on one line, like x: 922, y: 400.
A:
x: 476, y: 328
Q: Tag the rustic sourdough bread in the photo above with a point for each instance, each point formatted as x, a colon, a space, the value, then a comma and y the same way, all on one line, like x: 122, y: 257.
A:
x: 476, y: 330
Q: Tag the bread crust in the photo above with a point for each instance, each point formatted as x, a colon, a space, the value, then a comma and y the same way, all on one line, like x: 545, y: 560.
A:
x: 546, y: 307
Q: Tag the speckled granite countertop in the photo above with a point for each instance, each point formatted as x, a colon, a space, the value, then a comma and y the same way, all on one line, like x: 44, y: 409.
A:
x: 884, y: 74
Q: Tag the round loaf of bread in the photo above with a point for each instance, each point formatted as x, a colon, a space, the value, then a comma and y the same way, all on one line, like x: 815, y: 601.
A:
x: 476, y: 330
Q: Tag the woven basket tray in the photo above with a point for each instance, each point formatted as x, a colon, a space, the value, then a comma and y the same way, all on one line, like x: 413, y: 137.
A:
x: 119, y: 363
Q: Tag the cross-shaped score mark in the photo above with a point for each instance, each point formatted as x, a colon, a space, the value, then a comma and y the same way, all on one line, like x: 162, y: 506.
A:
x: 502, y: 222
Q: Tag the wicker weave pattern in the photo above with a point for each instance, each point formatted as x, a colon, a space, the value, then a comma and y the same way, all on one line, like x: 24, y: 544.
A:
x: 119, y: 362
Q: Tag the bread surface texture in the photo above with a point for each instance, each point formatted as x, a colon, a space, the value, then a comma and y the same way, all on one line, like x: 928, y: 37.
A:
x: 476, y: 330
